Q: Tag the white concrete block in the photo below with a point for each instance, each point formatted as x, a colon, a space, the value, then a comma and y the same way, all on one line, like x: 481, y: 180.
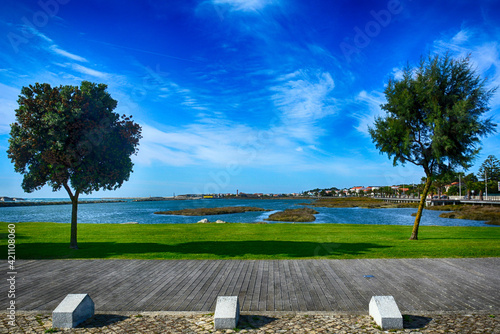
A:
x: 227, y: 312
x: 73, y: 310
x: 385, y: 312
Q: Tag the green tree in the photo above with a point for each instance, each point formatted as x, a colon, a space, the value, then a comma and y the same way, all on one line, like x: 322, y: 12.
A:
x: 492, y: 168
x: 386, y: 191
x: 453, y: 191
x: 492, y: 187
x: 433, y: 119
x: 69, y: 137
x: 470, y: 181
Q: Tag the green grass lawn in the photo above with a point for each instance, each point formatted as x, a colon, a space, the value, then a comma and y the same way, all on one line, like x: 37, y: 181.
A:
x: 248, y: 241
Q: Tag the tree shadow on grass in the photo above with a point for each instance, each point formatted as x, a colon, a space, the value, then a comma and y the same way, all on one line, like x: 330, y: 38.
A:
x: 5, y: 236
x: 489, y: 237
x: 190, y: 250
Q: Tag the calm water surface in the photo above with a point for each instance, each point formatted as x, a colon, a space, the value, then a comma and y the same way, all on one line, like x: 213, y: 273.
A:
x: 143, y: 213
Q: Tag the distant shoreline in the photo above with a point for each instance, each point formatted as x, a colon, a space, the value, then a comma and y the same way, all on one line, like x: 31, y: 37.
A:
x: 38, y: 203
x: 104, y: 200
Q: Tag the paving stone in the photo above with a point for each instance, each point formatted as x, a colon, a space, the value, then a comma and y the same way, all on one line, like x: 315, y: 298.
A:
x: 101, y: 323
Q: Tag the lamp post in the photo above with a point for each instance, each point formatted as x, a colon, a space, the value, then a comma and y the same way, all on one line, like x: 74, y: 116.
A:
x: 459, y: 186
x: 486, y: 184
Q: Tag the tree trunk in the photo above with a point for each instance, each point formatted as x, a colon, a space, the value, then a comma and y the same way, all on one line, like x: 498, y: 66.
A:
x: 74, y: 218
x: 414, y: 233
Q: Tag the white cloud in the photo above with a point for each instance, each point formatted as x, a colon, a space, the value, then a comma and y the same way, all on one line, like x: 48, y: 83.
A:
x: 88, y: 71
x: 455, y: 43
x: 397, y: 73
x: 302, y: 99
x: 37, y: 33
x: 370, y: 103
x: 461, y: 37
x: 8, y: 105
x: 215, y: 143
x: 245, y: 5
x: 61, y: 52
x: 484, y: 54
x: 197, y: 143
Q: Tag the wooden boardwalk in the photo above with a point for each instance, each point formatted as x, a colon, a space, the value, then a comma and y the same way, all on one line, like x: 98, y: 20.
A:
x: 418, y: 285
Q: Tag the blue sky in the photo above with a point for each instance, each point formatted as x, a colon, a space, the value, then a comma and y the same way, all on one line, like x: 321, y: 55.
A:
x: 256, y: 95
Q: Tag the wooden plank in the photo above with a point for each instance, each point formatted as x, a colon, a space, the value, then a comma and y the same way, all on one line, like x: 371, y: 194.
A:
x: 398, y: 284
x: 124, y: 282
x: 277, y: 286
x: 192, y: 288
x: 271, y: 293
x: 322, y: 295
x: 420, y: 285
x: 264, y: 286
x: 301, y: 296
x: 165, y: 275
x: 427, y: 286
x: 208, y: 298
x: 202, y: 280
x: 468, y: 274
x: 246, y: 287
x: 305, y: 282
x: 177, y: 279
x: 463, y: 279
x: 65, y: 275
x: 257, y: 286
x: 337, y: 298
x: 250, y: 291
x: 290, y: 286
x: 238, y: 289
x: 198, y: 282
x: 356, y: 282
x: 343, y: 280
x: 237, y: 279
x: 221, y: 283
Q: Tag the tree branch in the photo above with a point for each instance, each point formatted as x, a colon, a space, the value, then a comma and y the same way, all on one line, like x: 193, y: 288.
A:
x: 68, y: 189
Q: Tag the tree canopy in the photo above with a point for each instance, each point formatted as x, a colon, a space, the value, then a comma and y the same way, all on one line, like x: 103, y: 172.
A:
x: 433, y: 118
x: 492, y: 168
x: 69, y: 137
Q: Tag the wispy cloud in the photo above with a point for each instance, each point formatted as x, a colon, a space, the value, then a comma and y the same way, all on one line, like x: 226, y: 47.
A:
x: 484, y: 54
x: 245, y: 5
x: 302, y: 99
x: 88, y: 71
x: 54, y: 48
x: 369, y: 109
x: 8, y: 105
x: 216, y: 144
x: 37, y: 33
x: 397, y: 73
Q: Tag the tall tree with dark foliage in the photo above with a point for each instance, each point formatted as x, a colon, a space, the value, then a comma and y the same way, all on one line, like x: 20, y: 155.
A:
x: 434, y: 119
x: 69, y: 137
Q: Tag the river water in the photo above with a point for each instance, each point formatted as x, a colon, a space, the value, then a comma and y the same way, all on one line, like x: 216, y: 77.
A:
x: 143, y: 213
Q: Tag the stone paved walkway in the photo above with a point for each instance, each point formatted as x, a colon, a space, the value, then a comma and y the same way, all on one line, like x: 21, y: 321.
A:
x: 260, y: 324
